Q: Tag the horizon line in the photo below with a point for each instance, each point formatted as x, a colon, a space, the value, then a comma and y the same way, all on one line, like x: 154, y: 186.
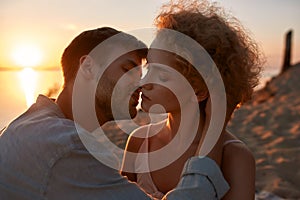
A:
x: 34, y: 68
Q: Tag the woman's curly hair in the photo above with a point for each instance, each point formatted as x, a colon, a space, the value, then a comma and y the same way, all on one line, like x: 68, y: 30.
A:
x: 236, y: 55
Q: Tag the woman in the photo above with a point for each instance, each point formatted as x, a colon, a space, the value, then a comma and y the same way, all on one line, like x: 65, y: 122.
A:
x: 238, y: 60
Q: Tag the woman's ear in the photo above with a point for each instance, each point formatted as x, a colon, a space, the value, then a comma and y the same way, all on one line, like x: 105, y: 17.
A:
x: 87, y: 67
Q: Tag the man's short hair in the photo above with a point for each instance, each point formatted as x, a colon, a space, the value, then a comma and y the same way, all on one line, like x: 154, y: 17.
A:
x: 84, y: 43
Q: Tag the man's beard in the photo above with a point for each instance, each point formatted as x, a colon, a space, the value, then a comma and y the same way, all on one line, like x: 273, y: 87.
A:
x: 103, y: 103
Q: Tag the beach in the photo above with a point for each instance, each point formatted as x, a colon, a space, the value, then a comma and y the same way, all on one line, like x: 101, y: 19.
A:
x: 270, y: 126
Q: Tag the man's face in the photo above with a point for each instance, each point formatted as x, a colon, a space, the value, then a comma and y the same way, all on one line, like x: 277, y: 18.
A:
x: 126, y: 92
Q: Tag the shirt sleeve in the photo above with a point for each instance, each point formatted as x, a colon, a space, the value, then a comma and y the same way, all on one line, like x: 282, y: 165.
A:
x: 78, y: 175
x: 201, y: 178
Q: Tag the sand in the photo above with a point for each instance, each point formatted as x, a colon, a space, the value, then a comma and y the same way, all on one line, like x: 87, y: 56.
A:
x: 270, y: 126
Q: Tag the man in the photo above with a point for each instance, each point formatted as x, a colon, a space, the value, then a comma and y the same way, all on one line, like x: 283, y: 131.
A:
x: 41, y: 153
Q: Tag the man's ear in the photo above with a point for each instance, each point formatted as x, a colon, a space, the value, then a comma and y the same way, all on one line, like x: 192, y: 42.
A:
x: 87, y: 67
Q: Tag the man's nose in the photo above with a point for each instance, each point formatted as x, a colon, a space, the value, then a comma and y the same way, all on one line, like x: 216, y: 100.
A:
x: 135, y: 76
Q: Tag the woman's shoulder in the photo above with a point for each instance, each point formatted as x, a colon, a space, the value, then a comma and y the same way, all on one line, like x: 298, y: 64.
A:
x: 238, y: 161
x: 235, y: 149
x: 238, y: 167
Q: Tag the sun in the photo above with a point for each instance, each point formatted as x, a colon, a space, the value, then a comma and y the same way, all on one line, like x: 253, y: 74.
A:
x: 27, y: 55
x: 28, y: 81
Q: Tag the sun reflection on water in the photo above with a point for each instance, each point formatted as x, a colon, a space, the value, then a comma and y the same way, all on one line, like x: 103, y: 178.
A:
x: 28, y: 81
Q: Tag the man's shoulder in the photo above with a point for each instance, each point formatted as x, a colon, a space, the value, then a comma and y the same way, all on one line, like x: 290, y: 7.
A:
x: 35, y: 144
x: 40, y: 134
x: 39, y: 126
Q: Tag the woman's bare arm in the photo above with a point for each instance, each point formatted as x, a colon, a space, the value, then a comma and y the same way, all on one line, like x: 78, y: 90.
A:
x: 238, y: 166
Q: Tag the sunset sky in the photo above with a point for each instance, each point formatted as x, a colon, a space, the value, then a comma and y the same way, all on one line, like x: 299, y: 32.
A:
x: 46, y: 27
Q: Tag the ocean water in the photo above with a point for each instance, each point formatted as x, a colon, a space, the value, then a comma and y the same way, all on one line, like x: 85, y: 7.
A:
x: 21, y: 87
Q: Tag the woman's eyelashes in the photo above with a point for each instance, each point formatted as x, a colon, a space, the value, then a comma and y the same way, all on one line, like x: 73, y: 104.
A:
x: 163, y: 76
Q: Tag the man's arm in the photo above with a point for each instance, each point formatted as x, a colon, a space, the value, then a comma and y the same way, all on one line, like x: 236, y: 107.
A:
x: 78, y: 175
x: 201, y: 179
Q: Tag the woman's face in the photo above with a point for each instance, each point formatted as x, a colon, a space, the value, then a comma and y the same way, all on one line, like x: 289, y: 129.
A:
x: 163, y: 84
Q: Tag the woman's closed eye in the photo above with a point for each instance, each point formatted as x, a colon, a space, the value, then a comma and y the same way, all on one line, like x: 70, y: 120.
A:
x: 163, y: 76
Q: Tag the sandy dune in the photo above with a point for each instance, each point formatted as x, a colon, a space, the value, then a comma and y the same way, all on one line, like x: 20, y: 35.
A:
x: 270, y: 126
